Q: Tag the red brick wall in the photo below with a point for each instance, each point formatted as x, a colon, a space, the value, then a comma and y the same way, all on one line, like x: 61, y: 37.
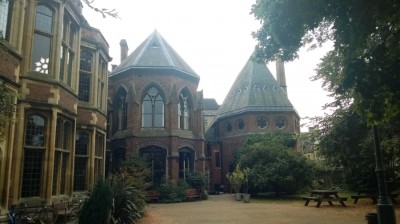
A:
x: 67, y: 100
x: 38, y: 92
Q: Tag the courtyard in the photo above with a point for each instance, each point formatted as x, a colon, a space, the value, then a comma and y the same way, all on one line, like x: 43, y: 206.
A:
x: 223, y: 209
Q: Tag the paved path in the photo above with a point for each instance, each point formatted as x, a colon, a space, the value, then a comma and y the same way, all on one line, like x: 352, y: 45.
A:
x: 223, y: 209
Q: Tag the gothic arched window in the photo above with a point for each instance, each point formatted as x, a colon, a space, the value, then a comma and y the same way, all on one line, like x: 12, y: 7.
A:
x: 184, y: 110
x: 120, y: 106
x: 153, y: 109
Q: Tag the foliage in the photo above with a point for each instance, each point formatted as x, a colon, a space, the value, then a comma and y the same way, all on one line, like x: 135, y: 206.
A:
x: 97, y: 208
x: 273, y: 165
x: 236, y: 178
x: 196, y: 180
x: 345, y: 141
x: 6, y: 107
x: 129, y: 200
x: 137, y: 170
x: 128, y: 190
x: 170, y: 192
x: 103, y: 11
x: 363, y: 66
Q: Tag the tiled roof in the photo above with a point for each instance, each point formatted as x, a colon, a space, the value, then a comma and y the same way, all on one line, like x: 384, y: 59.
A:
x: 210, y: 104
x: 154, y: 53
x: 255, y: 89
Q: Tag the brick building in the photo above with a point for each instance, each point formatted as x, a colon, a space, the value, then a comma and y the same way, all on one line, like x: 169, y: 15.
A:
x: 156, y: 112
x: 73, y: 122
x: 55, y: 63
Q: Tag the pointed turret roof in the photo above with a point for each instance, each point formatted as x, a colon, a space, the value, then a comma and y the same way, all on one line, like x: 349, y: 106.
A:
x: 255, y: 89
x: 156, y: 53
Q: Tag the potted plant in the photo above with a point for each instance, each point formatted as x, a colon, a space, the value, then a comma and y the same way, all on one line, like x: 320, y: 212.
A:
x: 236, y: 179
x: 246, y: 195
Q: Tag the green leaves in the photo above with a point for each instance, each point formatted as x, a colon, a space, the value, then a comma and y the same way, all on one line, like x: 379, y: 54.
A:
x: 273, y: 165
x: 363, y: 67
x: 7, y: 107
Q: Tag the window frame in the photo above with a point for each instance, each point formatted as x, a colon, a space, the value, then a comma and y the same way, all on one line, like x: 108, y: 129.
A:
x: 152, y: 100
x: 43, y: 65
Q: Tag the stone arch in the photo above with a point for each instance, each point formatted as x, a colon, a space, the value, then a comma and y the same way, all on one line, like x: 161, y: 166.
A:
x: 186, y: 161
x: 156, y: 160
x: 185, y: 109
x: 120, y: 106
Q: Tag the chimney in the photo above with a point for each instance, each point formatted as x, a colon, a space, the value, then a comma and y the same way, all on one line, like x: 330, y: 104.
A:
x: 124, y: 49
x: 280, y: 74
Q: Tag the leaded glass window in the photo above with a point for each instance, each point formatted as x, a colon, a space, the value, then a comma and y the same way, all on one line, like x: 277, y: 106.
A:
x: 184, y: 110
x: 42, y: 39
x: 153, y: 109
x: 5, y: 18
x: 81, y: 161
x: 34, y: 149
x: 85, y: 76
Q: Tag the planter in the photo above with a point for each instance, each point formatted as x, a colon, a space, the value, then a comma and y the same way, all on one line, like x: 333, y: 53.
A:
x: 238, y: 196
x: 246, y: 198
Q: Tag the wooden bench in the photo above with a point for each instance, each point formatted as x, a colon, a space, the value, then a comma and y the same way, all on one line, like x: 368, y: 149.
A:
x: 365, y: 193
x: 308, y: 199
x: 360, y: 196
x: 191, y: 194
x: 63, y: 209
x: 152, y: 195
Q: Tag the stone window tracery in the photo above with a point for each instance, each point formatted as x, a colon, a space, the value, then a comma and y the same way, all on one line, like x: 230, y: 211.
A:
x: 153, y: 109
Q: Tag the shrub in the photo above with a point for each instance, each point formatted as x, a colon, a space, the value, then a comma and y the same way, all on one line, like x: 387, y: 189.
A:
x: 129, y: 200
x: 96, y: 209
x: 196, y: 180
x: 170, y: 193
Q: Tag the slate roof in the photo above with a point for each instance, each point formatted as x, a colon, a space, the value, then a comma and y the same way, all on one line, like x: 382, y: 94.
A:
x: 156, y: 53
x: 255, y: 89
x: 210, y: 104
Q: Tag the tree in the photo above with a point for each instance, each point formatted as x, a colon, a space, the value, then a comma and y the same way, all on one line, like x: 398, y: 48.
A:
x: 363, y: 67
x: 6, y: 108
x: 364, y: 64
x: 273, y: 165
x: 345, y: 141
x: 103, y: 11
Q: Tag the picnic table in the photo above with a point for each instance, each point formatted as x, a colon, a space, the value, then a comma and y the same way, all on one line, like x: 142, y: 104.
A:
x: 371, y: 194
x: 324, y: 195
x: 365, y: 193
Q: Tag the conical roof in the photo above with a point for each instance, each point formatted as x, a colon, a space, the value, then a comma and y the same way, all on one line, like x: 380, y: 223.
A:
x: 254, y: 90
x: 154, y: 53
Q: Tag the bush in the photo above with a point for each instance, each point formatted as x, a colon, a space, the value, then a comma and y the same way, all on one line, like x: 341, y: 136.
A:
x: 196, y: 180
x: 129, y: 201
x: 170, y: 193
x: 96, y: 209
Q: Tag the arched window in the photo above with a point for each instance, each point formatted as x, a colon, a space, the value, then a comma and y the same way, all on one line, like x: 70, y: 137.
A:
x: 184, y: 110
x: 34, y: 149
x: 81, y: 161
x: 85, y: 76
x: 42, y: 39
x: 186, y: 162
x: 120, y: 107
x: 153, y: 109
x: 155, y: 158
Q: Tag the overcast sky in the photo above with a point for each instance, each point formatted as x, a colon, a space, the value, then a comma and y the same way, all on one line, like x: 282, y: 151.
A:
x: 213, y: 37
